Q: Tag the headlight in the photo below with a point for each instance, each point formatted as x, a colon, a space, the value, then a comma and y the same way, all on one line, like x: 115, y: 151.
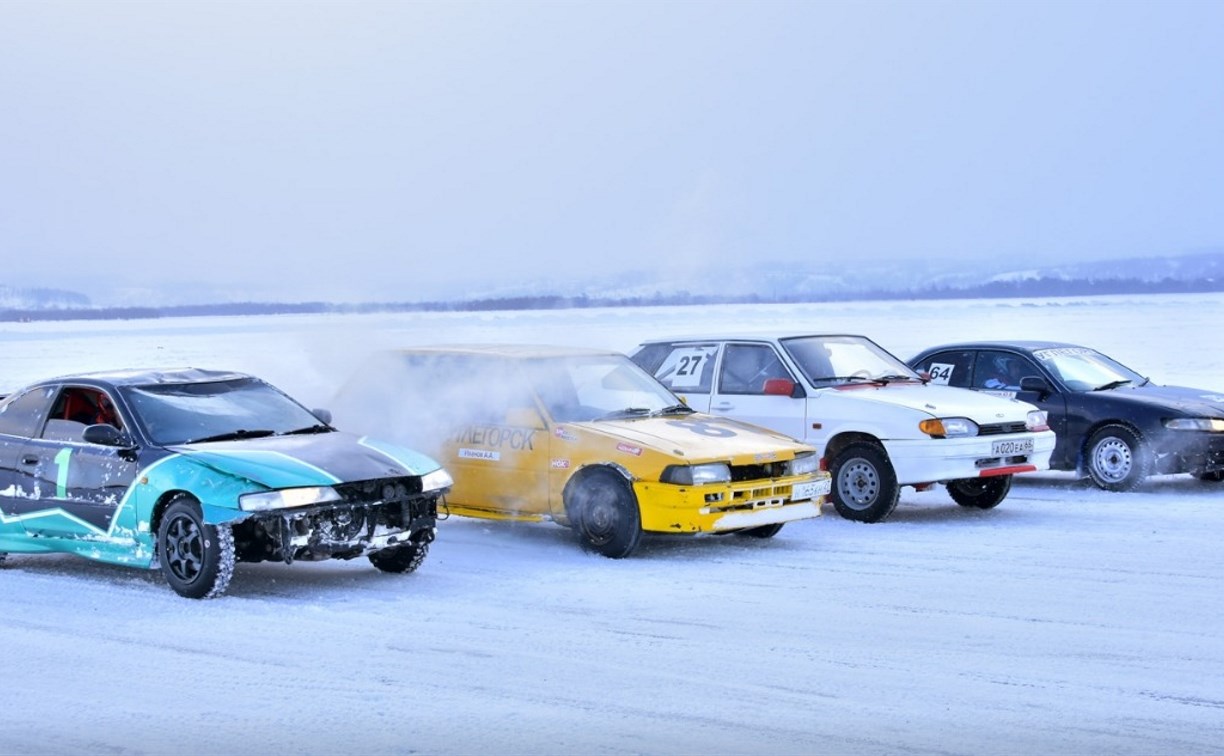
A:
x: 1209, y: 424
x: 435, y: 480
x: 1037, y: 420
x: 948, y: 427
x: 803, y: 464
x: 287, y: 498
x: 696, y: 475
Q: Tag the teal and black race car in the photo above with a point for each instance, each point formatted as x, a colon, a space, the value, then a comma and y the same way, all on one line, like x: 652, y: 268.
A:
x: 193, y: 470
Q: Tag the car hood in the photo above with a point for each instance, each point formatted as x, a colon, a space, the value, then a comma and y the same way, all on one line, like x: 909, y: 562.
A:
x: 700, y: 437
x: 308, y: 460
x: 1181, y: 400
x: 941, y: 401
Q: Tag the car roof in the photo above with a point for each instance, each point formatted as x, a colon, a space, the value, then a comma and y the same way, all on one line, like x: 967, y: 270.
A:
x: 1023, y: 345
x: 510, y: 351
x: 752, y: 336
x: 148, y: 376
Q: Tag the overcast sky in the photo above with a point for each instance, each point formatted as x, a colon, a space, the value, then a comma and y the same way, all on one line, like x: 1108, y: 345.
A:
x: 356, y: 151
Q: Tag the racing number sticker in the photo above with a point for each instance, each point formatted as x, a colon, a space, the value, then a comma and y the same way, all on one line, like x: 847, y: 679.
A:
x: 941, y: 373
x: 703, y: 428
x: 61, y: 474
x: 683, y: 368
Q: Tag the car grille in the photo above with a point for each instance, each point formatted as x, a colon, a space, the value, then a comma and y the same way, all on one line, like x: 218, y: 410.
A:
x: 380, y: 490
x: 997, y: 429
x: 761, y: 472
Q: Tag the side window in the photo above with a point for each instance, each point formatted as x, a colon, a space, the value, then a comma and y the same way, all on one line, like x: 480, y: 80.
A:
x: 687, y: 369
x: 746, y: 368
x: 24, y: 415
x: 949, y: 368
x: 86, y: 406
x: 1001, y: 371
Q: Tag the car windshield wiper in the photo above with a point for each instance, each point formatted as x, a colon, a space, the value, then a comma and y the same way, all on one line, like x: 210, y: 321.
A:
x: 866, y: 378
x: 1112, y: 385
x: 316, y: 428
x: 231, y: 436
x: 675, y: 409
x: 897, y: 377
x: 625, y: 412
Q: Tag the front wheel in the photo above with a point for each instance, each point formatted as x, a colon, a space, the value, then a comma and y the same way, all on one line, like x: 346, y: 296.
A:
x: 980, y: 493
x: 196, y: 558
x: 400, y: 559
x: 864, y: 484
x: 604, y: 512
x: 1117, y: 459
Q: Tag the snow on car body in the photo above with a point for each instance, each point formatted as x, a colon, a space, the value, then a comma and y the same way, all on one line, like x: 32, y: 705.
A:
x: 195, y: 469
x: 1113, y: 425
x: 878, y: 425
x: 584, y: 438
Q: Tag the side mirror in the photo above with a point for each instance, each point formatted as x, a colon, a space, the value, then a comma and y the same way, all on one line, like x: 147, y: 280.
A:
x: 1035, y: 384
x: 104, y: 434
x: 784, y: 387
x: 325, y: 416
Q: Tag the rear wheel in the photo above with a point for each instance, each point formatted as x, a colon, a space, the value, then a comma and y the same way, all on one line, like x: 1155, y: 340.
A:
x: 980, y: 493
x: 1117, y: 458
x: 864, y: 483
x: 400, y: 559
x: 196, y: 558
x: 764, y: 531
x: 604, y: 513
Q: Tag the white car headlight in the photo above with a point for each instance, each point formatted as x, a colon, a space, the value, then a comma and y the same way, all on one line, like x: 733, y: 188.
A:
x: 804, y: 464
x: 287, y: 498
x: 435, y: 480
x: 1208, y: 424
x: 1037, y: 420
x: 697, y: 475
x: 948, y: 427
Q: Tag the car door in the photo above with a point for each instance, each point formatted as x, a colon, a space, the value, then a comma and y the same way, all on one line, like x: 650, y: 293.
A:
x: 80, y: 485
x: 749, y: 378
x: 20, y: 418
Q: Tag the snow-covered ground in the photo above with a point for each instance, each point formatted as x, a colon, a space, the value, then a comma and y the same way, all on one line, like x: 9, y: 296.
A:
x: 1068, y: 620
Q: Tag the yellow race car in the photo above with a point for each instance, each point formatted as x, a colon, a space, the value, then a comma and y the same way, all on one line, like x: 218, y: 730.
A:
x: 584, y: 438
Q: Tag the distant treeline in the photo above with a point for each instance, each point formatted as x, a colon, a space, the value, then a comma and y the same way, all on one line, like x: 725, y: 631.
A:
x: 1028, y: 288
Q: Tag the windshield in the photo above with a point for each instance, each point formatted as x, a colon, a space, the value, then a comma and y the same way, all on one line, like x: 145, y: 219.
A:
x: 180, y: 413
x: 576, y: 389
x: 831, y: 360
x: 1084, y: 369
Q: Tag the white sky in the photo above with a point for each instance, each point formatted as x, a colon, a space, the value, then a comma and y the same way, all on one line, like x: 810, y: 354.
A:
x: 355, y: 151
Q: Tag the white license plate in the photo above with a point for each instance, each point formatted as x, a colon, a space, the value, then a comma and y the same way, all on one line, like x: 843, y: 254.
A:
x: 1011, y: 448
x: 810, y: 490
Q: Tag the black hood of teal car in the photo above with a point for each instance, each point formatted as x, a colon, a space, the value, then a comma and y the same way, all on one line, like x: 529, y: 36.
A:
x: 1180, y: 400
x: 308, y: 460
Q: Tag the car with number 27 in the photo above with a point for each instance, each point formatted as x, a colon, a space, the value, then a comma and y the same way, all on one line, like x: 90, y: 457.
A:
x: 1114, y: 425
x: 583, y: 438
x: 877, y: 423
x: 193, y: 470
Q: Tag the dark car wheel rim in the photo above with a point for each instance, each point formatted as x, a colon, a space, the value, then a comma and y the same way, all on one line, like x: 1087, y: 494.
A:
x: 1112, y: 459
x: 859, y: 484
x: 184, y: 549
x: 601, y: 519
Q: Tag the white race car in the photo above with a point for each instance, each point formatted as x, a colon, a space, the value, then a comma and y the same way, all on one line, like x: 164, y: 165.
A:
x: 878, y: 424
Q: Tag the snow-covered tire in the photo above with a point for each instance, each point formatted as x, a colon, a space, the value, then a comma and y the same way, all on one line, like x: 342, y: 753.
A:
x: 3, y: 554
x: 980, y: 493
x: 864, y: 483
x: 604, y: 513
x: 1116, y: 458
x: 400, y: 559
x: 1215, y: 476
x: 764, y: 531
x: 197, y: 559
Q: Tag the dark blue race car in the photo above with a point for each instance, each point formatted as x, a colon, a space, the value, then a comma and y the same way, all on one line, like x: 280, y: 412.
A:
x: 194, y: 470
x: 1112, y: 424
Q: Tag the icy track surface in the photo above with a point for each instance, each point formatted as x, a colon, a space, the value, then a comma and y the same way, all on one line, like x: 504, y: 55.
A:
x: 1068, y: 620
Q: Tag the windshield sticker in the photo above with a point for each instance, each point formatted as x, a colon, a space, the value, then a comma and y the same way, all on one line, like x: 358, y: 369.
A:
x: 491, y: 456
x: 941, y: 373
x: 1045, y: 355
x: 519, y: 439
x: 629, y: 449
x: 683, y: 368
